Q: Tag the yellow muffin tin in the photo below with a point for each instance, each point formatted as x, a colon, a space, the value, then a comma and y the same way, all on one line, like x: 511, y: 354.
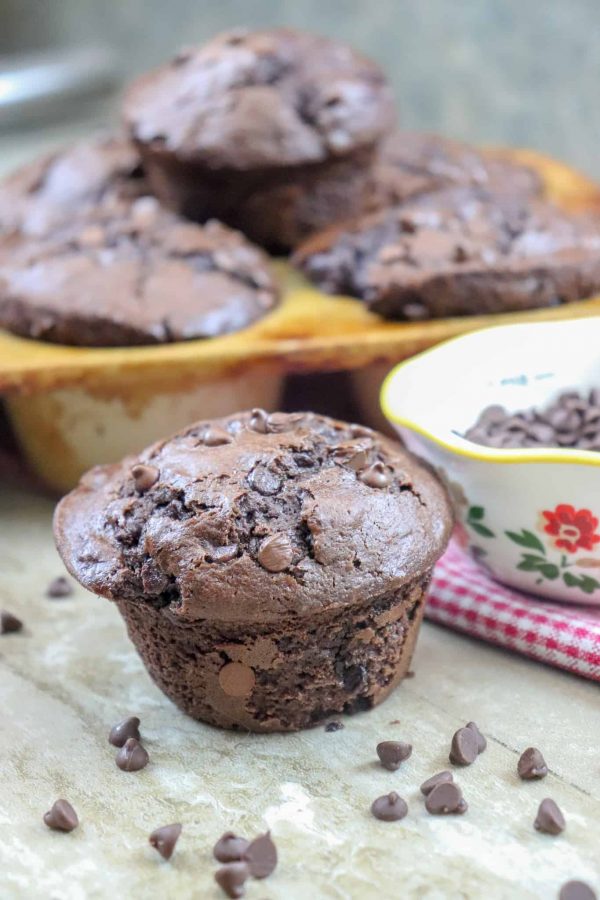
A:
x: 72, y: 407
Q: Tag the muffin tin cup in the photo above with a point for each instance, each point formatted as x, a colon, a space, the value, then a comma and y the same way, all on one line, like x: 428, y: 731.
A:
x: 66, y: 431
x: 286, y: 677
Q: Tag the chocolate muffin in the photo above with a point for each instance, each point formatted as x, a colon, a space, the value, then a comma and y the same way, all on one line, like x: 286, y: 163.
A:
x: 269, y: 131
x: 129, y: 273
x: 458, y: 252
x: 410, y: 163
x: 271, y: 569
x: 53, y: 190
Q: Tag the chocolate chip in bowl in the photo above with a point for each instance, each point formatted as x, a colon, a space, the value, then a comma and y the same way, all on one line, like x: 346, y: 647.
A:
x: 529, y: 514
x: 314, y: 606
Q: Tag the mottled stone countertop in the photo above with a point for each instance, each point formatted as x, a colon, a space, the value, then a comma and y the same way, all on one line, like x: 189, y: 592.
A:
x: 72, y: 673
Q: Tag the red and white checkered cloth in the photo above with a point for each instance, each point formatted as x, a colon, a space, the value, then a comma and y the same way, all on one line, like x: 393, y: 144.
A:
x: 464, y: 597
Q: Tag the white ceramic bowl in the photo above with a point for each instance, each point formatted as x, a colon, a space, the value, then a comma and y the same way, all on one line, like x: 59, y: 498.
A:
x: 531, y: 517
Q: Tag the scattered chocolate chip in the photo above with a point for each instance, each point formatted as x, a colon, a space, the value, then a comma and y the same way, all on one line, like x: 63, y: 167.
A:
x: 9, y: 624
x: 144, y: 477
x: 264, y: 481
x: 230, y: 847
x: 549, y: 818
x: 465, y: 747
x: 132, y: 756
x: 334, y: 726
x: 275, y: 553
x: 62, y: 816
x: 259, y: 421
x: 59, y: 587
x: 215, y: 436
x: 576, y: 890
x: 445, y: 799
x: 261, y: 856
x: 232, y: 877
x: 122, y: 731
x: 393, y: 753
x: 532, y: 764
x: 440, y: 778
x: 389, y: 808
x: 481, y: 741
x: 164, y: 839
x: 376, y: 476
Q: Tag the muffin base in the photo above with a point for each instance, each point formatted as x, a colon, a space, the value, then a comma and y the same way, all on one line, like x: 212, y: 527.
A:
x: 262, y: 679
x: 276, y: 208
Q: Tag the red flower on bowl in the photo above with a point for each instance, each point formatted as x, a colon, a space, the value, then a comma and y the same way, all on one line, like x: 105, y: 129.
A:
x: 573, y: 529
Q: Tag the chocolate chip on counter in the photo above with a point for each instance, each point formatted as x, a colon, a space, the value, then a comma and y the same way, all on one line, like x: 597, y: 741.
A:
x: 576, y: 890
x: 164, y: 839
x: 389, y: 808
x: 440, y: 778
x: 261, y: 856
x: 334, y: 726
x: 549, y: 818
x: 230, y: 847
x: 376, y: 476
x: 264, y: 481
x: 122, y: 731
x: 465, y: 747
x: 62, y: 816
x: 532, y: 765
x: 259, y: 421
x: 481, y: 741
x: 144, y: 477
x: 9, y: 624
x: 59, y: 587
x: 215, y: 436
x: 132, y: 756
x: 232, y: 877
x: 445, y: 799
x: 275, y: 553
x: 393, y: 753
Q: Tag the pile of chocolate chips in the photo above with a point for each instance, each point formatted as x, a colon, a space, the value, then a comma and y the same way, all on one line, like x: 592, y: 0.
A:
x: 572, y: 420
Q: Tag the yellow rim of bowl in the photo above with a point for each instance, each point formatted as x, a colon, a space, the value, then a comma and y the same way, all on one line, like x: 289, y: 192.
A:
x: 481, y: 454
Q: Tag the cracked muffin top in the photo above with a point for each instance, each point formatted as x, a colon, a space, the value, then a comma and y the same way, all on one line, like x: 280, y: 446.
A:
x: 255, y: 518
x: 129, y: 272
x: 49, y: 192
x: 276, y: 97
x: 458, y: 251
x: 410, y: 163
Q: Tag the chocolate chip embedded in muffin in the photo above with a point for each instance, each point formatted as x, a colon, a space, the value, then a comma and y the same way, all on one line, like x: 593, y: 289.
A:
x: 458, y: 252
x: 65, y: 185
x: 270, y: 131
x: 284, y: 607
x: 132, y: 273
x: 410, y: 163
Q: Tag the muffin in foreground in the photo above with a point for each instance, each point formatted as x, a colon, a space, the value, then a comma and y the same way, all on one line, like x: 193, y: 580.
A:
x: 461, y: 251
x: 126, y: 272
x: 410, y: 163
x: 271, y: 569
x: 270, y: 131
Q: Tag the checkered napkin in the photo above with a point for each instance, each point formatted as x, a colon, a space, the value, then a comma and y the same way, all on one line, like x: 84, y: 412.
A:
x: 464, y: 597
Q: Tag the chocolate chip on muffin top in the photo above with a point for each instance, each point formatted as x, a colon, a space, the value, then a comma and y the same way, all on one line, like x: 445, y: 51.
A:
x: 277, y: 520
x: 132, y: 273
x: 458, y: 252
x: 275, y: 97
x: 50, y: 192
x: 410, y: 163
